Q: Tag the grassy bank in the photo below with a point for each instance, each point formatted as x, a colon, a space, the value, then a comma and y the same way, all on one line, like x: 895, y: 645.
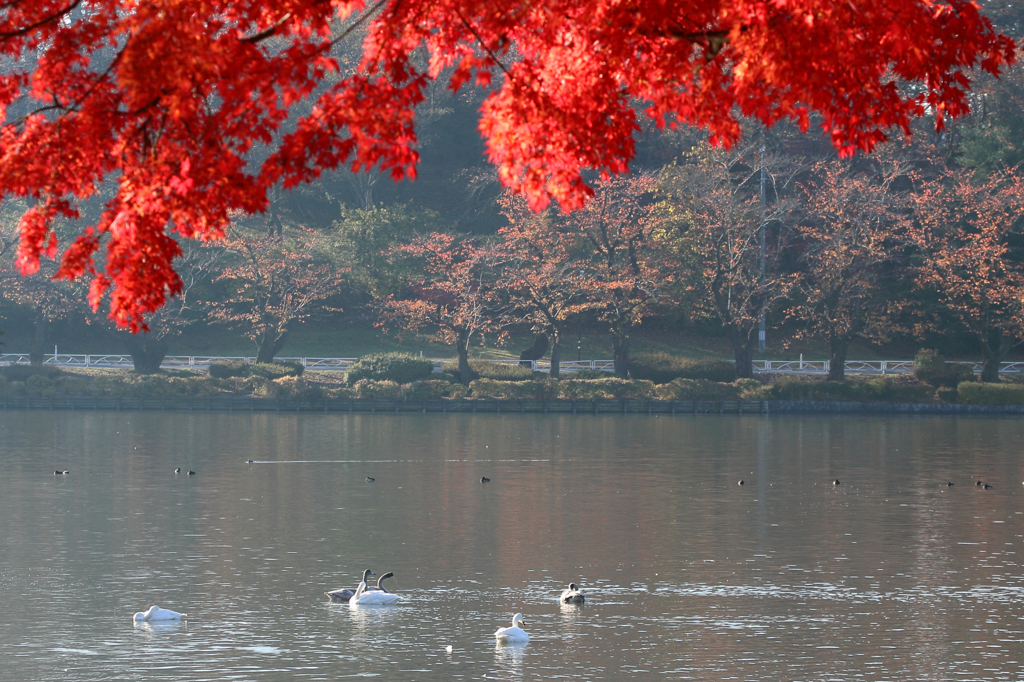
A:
x: 271, y: 383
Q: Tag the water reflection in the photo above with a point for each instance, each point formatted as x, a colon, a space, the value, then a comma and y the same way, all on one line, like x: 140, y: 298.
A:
x: 891, y: 575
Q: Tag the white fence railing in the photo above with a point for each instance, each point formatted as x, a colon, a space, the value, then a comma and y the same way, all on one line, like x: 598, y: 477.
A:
x: 567, y: 366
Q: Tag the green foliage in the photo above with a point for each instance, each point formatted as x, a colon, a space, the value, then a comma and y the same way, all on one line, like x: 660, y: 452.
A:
x: 427, y: 390
x: 39, y: 384
x: 399, y: 368
x: 662, y: 368
x: 699, y: 389
x: 24, y: 372
x: 946, y: 394
x: 5, y: 386
x: 586, y: 374
x: 371, y: 388
x: 931, y: 369
x: 875, y: 389
x: 978, y: 393
x: 605, y: 389
x: 514, y: 390
x: 276, y: 370
x: 224, y: 369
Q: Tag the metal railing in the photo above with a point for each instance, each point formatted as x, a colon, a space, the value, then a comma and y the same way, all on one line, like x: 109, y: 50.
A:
x: 809, y: 367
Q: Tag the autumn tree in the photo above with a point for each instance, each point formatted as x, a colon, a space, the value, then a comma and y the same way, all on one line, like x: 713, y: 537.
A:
x: 272, y: 284
x: 713, y: 223
x: 623, y: 274
x: 849, y: 223
x: 542, y: 272
x: 964, y: 232
x: 454, y: 297
x: 175, y: 108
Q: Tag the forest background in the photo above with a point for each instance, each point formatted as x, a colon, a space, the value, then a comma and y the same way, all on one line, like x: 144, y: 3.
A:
x: 920, y: 244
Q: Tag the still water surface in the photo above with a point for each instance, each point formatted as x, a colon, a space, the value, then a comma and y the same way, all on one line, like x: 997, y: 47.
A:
x: 891, y: 575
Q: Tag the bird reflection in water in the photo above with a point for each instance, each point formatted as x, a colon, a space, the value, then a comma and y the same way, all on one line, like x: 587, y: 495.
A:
x: 509, y: 657
x: 159, y: 627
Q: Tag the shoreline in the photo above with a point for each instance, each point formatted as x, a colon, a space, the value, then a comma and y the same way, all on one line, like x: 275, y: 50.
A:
x: 491, y: 406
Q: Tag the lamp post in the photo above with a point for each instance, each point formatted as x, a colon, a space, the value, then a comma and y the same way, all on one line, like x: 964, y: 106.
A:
x: 579, y: 330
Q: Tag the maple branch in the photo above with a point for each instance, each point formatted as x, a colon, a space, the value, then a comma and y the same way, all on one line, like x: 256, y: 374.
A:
x: 6, y: 35
x: 263, y: 35
x: 480, y: 40
x: 373, y: 10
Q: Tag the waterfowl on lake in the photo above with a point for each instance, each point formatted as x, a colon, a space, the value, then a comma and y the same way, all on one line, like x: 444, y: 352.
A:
x: 60, y: 472
x: 950, y: 484
x: 835, y: 482
x: 156, y: 613
x: 348, y: 592
x: 249, y: 461
x: 740, y: 482
x: 191, y: 473
x: 370, y: 480
x: 363, y: 597
x: 572, y: 595
x: 366, y: 576
x: 177, y: 470
x: 484, y: 479
x: 987, y: 487
x: 978, y: 483
x: 514, y: 633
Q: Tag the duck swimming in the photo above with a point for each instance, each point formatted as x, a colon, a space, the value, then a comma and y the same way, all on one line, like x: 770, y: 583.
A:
x: 572, y: 595
x: 156, y: 613
x: 514, y: 634
x: 348, y: 592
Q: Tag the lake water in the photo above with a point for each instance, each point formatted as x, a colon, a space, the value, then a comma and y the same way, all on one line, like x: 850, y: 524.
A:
x: 891, y: 575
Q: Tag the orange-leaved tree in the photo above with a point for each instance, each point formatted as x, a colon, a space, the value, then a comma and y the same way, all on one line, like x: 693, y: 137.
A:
x: 541, y: 272
x: 850, y: 224
x: 964, y: 231
x: 191, y: 108
x: 454, y: 298
x: 271, y: 284
x: 623, y: 273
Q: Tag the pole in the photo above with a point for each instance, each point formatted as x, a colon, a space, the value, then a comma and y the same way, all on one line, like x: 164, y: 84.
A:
x: 760, y: 333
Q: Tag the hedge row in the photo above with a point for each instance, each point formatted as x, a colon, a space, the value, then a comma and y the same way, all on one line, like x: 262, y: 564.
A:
x: 400, y: 368
x: 977, y: 393
x: 662, y: 368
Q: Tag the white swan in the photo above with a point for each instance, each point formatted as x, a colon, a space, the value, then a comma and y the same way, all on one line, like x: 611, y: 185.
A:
x: 373, y: 598
x: 572, y: 595
x: 514, y: 633
x: 348, y: 592
x: 156, y: 613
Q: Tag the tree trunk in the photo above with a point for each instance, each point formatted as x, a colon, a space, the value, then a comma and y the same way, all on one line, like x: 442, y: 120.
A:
x: 462, y: 346
x: 620, y: 354
x: 992, y: 352
x: 743, y: 352
x: 38, y: 352
x: 271, y: 343
x: 556, y: 353
x: 837, y: 364
x: 147, y: 352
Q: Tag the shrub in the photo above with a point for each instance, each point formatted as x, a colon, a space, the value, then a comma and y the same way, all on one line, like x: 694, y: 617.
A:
x: 370, y: 388
x: 399, y: 368
x: 875, y: 389
x: 276, y: 370
x: 697, y: 389
x: 605, y: 389
x: 586, y: 374
x: 5, y: 385
x: 38, y: 384
x: 931, y: 369
x: 294, y: 387
x: 225, y: 369
x: 25, y: 372
x: 514, y: 390
x: 662, y: 368
x: 946, y: 394
x: 978, y: 393
x: 426, y: 390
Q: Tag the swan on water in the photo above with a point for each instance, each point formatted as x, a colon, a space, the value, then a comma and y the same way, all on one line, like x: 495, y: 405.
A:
x: 514, y: 633
x: 338, y: 593
x: 373, y: 598
x: 572, y: 595
x: 156, y: 613
x: 348, y: 592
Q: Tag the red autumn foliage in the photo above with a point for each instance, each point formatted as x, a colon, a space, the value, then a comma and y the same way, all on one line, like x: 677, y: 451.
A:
x: 963, y: 230
x: 455, y: 297
x: 171, y: 99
